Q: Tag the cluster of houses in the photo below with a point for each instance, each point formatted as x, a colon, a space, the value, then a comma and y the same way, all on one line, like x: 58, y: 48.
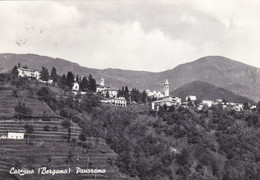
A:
x: 190, y: 101
x: 162, y: 99
x: 109, y: 93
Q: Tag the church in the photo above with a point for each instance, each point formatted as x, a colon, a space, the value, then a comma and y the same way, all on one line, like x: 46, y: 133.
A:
x: 166, y: 99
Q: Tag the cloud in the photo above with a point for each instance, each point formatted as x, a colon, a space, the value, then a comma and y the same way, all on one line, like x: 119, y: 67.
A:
x: 147, y: 35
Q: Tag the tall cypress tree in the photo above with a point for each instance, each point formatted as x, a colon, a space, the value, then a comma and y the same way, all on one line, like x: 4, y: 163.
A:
x: 54, y: 74
x: 63, y: 79
x: 92, y: 83
x: 84, y: 84
x: 44, y: 74
x: 70, y: 79
x: 126, y: 93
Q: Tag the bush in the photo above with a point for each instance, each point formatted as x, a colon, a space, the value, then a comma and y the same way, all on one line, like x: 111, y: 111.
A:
x: 55, y: 128
x: 46, y: 128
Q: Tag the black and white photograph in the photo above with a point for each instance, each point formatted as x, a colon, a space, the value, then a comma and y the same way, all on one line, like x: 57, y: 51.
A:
x: 129, y: 90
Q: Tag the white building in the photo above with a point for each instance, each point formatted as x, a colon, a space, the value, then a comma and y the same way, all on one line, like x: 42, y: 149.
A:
x: 166, y: 88
x: 101, y: 88
x: 207, y: 103
x: 191, y: 98
x: 31, y: 73
x: 121, y: 101
x: 166, y: 99
x: 102, y: 82
x: 112, y: 93
x: 75, y: 86
x: 155, y: 94
x: 15, y: 135
x: 3, y: 137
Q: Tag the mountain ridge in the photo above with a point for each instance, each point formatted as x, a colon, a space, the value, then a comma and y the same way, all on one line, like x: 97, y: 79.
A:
x: 205, y: 91
x: 222, y: 72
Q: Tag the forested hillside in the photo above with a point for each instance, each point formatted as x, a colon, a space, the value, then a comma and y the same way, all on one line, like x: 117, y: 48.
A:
x: 175, y: 143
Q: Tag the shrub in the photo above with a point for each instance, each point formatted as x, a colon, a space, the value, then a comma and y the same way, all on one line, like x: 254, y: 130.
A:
x: 46, y: 128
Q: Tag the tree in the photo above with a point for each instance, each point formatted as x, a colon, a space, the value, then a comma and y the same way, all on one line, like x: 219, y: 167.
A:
x: 144, y: 97
x: 67, y: 124
x: 190, y: 103
x: 89, y: 101
x: 136, y: 95
x: 22, y: 111
x: 54, y: 74
x: 63, y: 80
x: 44, y: 74
x: 92, y: 83
x: 83, y: 138
x: 69, y: 79
x: 77, y: 78
x: 107, y: 94
x: 15, y: 71
x: 126, y: 93
x: 29, y: 131
x: 84, y: 84
x: 43, y: 93
x: 258, y: 107
x: 246, y: 106
x: 69, y: 157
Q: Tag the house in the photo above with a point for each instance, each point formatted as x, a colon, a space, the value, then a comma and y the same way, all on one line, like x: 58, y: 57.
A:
x: 154, y: 94
x: 176, y: 101
x: 191, y: 98
x: 15, y: 135
x: 235, y: 106
x: 121, y: 101
x: 112, y: 93
x: 31, y: 73
x: 101, y: 88
x: 3, y: 137
x: 253, y: 107
x: 50, y: 81
x: 159, y: 103
x: 75, y: 86
x: 219, y: 101
x: 207, y: 103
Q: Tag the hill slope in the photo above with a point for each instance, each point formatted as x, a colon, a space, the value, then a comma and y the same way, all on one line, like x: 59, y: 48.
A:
x: 237, y: 77
x: 208, y: 91
x: 113, y: 77
x: 48, y: 146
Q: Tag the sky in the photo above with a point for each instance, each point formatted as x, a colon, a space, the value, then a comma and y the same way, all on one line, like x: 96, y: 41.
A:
x: 149, y: 35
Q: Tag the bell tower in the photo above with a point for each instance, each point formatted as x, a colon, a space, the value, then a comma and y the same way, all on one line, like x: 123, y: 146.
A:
x: 102, y: 82
x: 166, y: 88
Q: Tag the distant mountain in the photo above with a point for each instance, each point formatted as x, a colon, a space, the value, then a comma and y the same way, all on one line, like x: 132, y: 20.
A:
x: 208, y: 91
x: 222, y: 72
x: 237, y: 77
x: 115, y: 78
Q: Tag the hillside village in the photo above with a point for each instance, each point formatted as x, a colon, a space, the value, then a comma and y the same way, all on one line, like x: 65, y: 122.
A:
x: 157, y: 99
x: 93, y: 124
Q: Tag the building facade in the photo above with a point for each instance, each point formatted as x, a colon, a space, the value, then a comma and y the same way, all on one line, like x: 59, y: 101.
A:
x: 31, y: 73
x: 121, y: 101
x: 15, y: 135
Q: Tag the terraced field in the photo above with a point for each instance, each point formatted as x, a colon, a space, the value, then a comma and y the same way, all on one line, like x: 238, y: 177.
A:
x: 50, y: 149
x: 8, y: 103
